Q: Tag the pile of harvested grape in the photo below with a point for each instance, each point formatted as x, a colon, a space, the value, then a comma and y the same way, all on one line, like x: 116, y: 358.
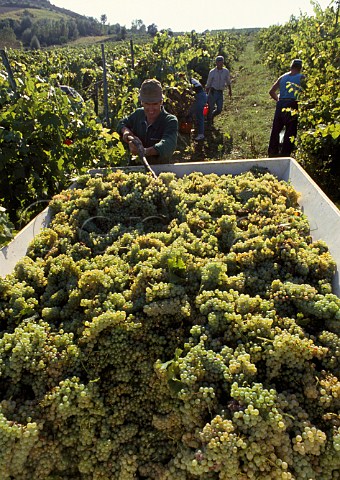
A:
x: 171, y: 329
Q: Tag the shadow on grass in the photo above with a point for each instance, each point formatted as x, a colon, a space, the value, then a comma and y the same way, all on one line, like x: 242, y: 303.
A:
x: 215, y: 146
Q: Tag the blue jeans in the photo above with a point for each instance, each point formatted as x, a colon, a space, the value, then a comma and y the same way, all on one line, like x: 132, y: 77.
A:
x: 197, y: 111
x: 215, y: 98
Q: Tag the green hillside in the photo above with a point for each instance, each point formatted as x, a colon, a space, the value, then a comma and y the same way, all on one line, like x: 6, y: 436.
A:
x: 34, y: 24
x: 40, y: 9
x: 16, y: 14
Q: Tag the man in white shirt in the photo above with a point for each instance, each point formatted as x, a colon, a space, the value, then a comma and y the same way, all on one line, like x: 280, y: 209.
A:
x: 218, y: 79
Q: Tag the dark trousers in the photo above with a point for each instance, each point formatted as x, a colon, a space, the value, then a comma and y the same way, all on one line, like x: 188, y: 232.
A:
x: 289, y: 120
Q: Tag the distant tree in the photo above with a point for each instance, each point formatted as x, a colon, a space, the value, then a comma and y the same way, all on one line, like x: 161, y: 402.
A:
x: 152, y: 30
x: 26, y: 37
x: 123, y: 33
x: 81, y: 27
x: 27, y: 13
x: 42, y: 30
x: 5, y: 24
x: 8, y: 38
x: 25, y: 23
x: 73, y: 32
x: 63, y: 32
x: 93, y: 27
x: 9, y: 22
x: 133, y: 26
x: 35, y: 44
x: 137, y: 25
x: 15, y: 25
x: 103, y: 19
x: 115, y: 29
x: 168, y: 31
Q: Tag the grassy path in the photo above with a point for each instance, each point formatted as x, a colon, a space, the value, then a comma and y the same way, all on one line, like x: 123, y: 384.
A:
x: 247, y: 118
x: 243, y: 128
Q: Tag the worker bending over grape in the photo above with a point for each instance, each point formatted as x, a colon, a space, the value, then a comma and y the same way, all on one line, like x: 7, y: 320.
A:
x: 151, y: 124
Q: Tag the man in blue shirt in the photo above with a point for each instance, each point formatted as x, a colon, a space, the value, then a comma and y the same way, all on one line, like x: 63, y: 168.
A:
x: 285, y: 117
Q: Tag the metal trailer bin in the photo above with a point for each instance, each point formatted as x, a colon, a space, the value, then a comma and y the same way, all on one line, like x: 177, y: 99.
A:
x: 323, y: 216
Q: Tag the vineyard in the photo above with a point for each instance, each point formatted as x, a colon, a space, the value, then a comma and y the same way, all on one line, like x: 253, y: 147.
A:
x: 47, y: 139
x: 317, y: 41
x: 165, y: 328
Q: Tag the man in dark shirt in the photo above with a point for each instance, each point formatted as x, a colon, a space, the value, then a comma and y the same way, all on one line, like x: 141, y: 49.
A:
x: 151, y: 124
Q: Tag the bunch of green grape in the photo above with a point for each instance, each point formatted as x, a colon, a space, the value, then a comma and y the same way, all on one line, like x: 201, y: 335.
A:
x: 171, y: 329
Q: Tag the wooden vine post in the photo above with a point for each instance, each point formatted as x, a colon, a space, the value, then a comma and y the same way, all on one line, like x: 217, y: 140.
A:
x: 9, y: 70
x: 132, y: 55
x: 106, y: 101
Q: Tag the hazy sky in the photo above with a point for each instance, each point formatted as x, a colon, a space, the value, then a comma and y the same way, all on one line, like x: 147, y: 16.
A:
x: 198, y: 15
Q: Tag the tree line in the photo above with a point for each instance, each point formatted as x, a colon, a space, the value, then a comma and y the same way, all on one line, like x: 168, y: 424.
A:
x: 45, y: 32
x: 30, y: 33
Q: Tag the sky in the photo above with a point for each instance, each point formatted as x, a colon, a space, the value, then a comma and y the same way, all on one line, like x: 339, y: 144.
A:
x: 198, y: 15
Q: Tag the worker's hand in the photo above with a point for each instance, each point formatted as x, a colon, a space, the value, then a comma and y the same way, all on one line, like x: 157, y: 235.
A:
x: 132, y: 145
x: 125, y: 135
